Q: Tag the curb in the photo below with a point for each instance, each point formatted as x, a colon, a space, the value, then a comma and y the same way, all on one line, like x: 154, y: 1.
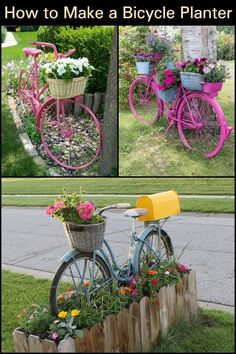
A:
x: 27, y: 144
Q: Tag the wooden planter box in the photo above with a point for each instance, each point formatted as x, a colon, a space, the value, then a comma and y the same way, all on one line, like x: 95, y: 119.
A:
x: 136, y: 329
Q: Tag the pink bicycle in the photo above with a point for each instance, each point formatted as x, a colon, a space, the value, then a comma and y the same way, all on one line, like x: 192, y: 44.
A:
x: 201, y: 123
x: 70, y: 131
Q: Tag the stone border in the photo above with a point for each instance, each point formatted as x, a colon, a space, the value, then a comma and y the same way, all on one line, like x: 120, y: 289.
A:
x: 27, y: 144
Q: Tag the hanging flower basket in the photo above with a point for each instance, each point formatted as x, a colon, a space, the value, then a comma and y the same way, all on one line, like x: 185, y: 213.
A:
x: 67, y: 89
x: 192, y: 81
x: 85, y: 237
x: 168, y: 95
x: 210, y: 87
x: 143, y: 67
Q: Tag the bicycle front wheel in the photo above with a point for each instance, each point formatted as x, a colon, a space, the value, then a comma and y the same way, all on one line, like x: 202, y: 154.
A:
x: 156, y: 248
x: 77, y: 277
x: 71, y: 133
x: 201, y: 124
x: 144, y: 101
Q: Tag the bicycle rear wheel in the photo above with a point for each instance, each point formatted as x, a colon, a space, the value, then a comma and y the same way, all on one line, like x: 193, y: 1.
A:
x: 70, y: 132
x: 207, y: 137
x: 78, y: 276
x: 156, y: 248
x: 144, y: 101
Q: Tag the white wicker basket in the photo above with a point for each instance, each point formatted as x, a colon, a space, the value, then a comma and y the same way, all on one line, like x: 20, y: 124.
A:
x: 67, y: 89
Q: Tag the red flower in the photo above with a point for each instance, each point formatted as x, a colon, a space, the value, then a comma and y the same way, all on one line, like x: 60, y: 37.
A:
x: 126, y: 74
x: 23, y: 310
x: 154, y: 281
x: 168, y: 73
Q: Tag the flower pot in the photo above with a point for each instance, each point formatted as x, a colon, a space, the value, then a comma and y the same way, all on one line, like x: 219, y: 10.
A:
x: 192, y: 81
x: 85, y: 237
x: 210, y: 87
x: 143, y: 67
x: 168, y: 95
x: 67, y: 89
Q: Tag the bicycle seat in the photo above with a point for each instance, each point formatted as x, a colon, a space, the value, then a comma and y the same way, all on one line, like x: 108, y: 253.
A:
x: 32, y: 51
x: 136, y: 212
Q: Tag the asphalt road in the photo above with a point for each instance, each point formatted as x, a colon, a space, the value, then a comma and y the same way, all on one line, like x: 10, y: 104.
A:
x: 33, y: 243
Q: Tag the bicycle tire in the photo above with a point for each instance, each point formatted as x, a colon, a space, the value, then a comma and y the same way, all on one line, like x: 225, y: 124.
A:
x: 208, y: 139
x: 75, y: 141
x: 167, y: 245
x: 61, y: 270
x: 142, y: 104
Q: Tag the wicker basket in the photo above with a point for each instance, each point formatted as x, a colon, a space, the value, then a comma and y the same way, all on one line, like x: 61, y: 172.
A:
x: 85, y: 237
x: 67, y: 89
x: 192, y: 81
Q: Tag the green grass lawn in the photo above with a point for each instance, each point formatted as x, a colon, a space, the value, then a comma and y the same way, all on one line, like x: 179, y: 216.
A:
x: 212, y: 332
x: 118, y: 185
x: 145, y: 151
x: 15, y: 160
x: 187, y: 205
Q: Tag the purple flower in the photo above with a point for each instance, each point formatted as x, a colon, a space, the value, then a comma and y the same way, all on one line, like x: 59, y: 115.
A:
x: 55, y: 336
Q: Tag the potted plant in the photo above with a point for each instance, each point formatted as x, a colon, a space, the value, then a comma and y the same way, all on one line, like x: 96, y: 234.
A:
x: 160, y: 43
x: 84, y: 228
x: 67, y: 77
x: 192, y: 74
x: 142, y: 59
x: 215, y: 73
x: 168, y: 82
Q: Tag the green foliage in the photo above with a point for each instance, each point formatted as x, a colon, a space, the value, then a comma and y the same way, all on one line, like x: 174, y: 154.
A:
x: 28, y: 28
x: 30, y: 129
x: 3, y: 34
x: 225, y: 46
x: 91, y: 42
x: 226, y: 29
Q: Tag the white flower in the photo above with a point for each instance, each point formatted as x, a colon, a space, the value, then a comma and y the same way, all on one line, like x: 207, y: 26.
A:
x: 167, y: 273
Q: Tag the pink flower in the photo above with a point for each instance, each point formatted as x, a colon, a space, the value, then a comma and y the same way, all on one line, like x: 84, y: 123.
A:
x: 31, y: 316
x: 85, y: 210
x: 134, y: 292
x: 168, y: 73
x: 169, y: 80
x: 183, y: 268
x: 59, y: 204
x: 161, y: 87
x: 50, y: 210
x: 55, y: 336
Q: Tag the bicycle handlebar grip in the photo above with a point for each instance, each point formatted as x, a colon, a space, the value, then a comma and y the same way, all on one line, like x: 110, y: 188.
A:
x: 122, y: 206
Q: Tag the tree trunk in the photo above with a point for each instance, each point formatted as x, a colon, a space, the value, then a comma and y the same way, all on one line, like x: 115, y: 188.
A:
x: 199, y: 41
x: 108, y: 159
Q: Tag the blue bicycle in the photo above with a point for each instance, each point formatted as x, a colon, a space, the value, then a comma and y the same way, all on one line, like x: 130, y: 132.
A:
x: 88, y: 272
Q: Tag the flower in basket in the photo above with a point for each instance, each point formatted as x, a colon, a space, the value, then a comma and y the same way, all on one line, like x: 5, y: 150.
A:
x: 68, y: 68
x: 193, y: 66
x: 168, y: 79
x: 215, y: 71
x: 142, y: 56
x: 159, y: 41
x: 70, y: 208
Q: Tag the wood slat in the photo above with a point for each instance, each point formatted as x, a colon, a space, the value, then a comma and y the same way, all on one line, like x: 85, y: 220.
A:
x: 49, y: 346
x: 35, y: 345
x: 97, y: 338
x: 83, y: 344
x: 134, y: 328
x: 186, y: 297
x: 111, y: 335
x: 66, y: 346
x: 123, y: 335
x: 164, y: 314
x: 20, y: 342
x: 145, y: 323
x: 154, y: 320
x: 192, y: 290
x: 179, y: 301
x: 171, y: 304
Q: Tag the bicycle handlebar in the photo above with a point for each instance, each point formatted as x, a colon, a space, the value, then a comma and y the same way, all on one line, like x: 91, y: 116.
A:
x: 51, y: 45
x: 115, y: 206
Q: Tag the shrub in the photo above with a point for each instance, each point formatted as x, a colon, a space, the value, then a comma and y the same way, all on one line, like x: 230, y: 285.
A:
x: 91, y: 42
x: 225, y: 46
x: 3, y: 34
x: 28, y: 28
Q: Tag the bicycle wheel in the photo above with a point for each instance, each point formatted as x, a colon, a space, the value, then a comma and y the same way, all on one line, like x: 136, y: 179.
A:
x: 74, y: 278
x: 144, y: 101
x: 73, y: 140
x: 207, y: 137
x: 155, y: 249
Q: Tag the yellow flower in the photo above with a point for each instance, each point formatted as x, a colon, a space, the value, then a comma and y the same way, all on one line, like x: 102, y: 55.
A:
x: 62, y: 314
x: 75, y: 313
x: 122, y: 291
x: 152, y: 272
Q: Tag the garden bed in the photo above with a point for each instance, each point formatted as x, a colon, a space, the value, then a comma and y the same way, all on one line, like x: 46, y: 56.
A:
x: 132, y: 330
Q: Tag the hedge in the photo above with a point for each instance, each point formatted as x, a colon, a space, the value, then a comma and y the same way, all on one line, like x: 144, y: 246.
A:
x: 3, y: 34
x: 225, y: 46
x: 92, y: 42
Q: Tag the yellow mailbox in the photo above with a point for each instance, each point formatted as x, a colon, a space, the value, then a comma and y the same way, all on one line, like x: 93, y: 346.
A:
x: 159, y: 205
